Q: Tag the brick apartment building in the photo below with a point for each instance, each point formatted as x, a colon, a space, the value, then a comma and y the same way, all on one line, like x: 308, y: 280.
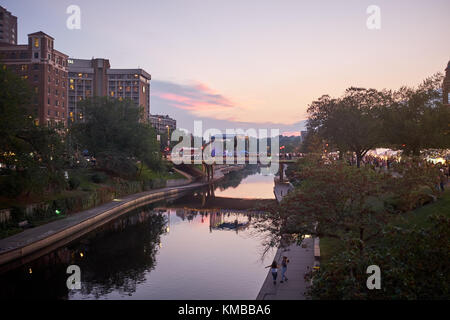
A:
x: 163, y: 124
x: 45, y: 69
x: 446, y: 85
x: 88, y: 78
x: 8, y: 27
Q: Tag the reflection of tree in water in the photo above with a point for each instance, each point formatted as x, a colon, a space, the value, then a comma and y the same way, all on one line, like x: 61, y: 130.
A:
x: 114, y: 257
x: 119, y: 260
x: 234, y: 178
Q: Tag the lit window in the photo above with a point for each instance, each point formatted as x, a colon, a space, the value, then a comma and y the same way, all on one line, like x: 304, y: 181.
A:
x: 112, y: 93
x: 71, y: 81
x: 80, y: 75
x: 36, y: 42
x: 72, y: 87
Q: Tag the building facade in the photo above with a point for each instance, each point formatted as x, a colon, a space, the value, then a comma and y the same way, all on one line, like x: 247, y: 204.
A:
x: 446, y: 85
x: 45, y: 69
x: 8, y: 27
x: 163, y: 124
x: 88, y: 78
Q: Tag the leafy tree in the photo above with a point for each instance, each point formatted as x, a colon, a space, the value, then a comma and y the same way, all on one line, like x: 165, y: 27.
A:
x: 416, y: 119
x: 113, y: 132
x: 352, y: 122
x: 336, y: 200
x: 34, y: 156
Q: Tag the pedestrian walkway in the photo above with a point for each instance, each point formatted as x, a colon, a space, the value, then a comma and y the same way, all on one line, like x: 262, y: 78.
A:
x: 301, y: 261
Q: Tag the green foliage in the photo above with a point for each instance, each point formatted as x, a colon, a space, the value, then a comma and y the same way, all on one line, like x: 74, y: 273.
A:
x: 409, y: 119
x: 99, y: 177
x: 113, y: 133
x: 74, y: 183
x: 33, y: 155
x: 413, y: 263
x: 416, y: 118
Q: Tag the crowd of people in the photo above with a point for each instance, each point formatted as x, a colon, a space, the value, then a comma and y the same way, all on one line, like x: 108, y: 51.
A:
x: 389, y: 163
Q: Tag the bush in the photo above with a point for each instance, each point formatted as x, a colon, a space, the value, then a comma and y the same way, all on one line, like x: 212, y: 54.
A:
x: 99, y: 177
x: 74, y: 183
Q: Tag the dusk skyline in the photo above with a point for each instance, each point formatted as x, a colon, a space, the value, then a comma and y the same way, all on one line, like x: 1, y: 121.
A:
x: 254, y: 64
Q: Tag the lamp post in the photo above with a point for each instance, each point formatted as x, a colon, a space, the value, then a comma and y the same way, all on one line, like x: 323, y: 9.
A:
x: 168, y: 138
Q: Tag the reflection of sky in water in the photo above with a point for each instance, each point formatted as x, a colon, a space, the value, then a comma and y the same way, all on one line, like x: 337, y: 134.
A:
x: 197, y: 262
x: 255, y: 186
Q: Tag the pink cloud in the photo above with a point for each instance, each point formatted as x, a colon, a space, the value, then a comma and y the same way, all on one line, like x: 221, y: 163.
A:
x: 291, y: 133
x: 198, y: 97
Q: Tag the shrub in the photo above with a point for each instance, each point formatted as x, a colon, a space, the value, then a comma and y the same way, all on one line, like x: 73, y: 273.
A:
x: 74, y: 183
x: 99, y: 177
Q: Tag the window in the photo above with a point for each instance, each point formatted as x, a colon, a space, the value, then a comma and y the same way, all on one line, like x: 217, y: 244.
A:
x: 48, y: 101
x: 36, y: 55
x: 35, y: 66
x: 35, y: 78
x: 36, y: 42
x: 49, y: 79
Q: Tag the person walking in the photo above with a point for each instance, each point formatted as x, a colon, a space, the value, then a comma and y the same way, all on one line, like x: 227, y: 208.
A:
x: 284, y: 264
x: 274, y: 269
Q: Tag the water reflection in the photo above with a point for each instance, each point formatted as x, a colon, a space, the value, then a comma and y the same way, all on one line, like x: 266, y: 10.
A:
x: 160, y: 253
x: 114, y: 257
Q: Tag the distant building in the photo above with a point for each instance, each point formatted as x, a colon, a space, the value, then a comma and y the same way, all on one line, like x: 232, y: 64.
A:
x: 8, y: 27
x: 88, y: 78
x: 446, y: 85
x: 46, y: 71
x: 163, y: 124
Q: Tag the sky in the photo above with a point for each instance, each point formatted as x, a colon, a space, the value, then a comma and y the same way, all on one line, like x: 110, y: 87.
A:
x: 245, y: 63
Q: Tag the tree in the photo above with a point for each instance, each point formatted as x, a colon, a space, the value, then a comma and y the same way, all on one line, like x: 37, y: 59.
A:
x: 111, y: 131
x: 34, y: 156
x: 333, y: 200
x: 417, y: 119
x: 350, y: 123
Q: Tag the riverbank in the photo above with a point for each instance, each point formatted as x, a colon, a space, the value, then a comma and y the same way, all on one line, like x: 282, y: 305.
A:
x: 33, y: 243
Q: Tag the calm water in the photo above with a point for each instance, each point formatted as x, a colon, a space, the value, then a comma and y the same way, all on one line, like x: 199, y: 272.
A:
x: 164, y: 253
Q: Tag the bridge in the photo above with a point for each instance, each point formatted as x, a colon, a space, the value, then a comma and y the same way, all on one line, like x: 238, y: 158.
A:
x: 209, y: 168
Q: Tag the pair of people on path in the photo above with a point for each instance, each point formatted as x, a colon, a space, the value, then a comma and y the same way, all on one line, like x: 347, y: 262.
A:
x: 274, y: 269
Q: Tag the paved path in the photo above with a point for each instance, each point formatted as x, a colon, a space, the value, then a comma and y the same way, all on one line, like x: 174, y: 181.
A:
x: 300, y: 259
x: 31, y: 243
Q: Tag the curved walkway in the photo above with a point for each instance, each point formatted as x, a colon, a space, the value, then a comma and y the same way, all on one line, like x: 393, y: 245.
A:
x: 33, y: 243
x: 301, y: 260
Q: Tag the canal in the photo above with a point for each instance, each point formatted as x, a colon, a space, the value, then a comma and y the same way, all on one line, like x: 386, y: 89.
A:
x: 163, y: 251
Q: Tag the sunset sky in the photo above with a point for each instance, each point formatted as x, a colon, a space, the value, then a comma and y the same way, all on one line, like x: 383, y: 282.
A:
x: 245, y: 63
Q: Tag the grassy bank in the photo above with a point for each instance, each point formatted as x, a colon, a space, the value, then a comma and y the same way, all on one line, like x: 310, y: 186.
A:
x: 415, y: 218
x: 86, y: 188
